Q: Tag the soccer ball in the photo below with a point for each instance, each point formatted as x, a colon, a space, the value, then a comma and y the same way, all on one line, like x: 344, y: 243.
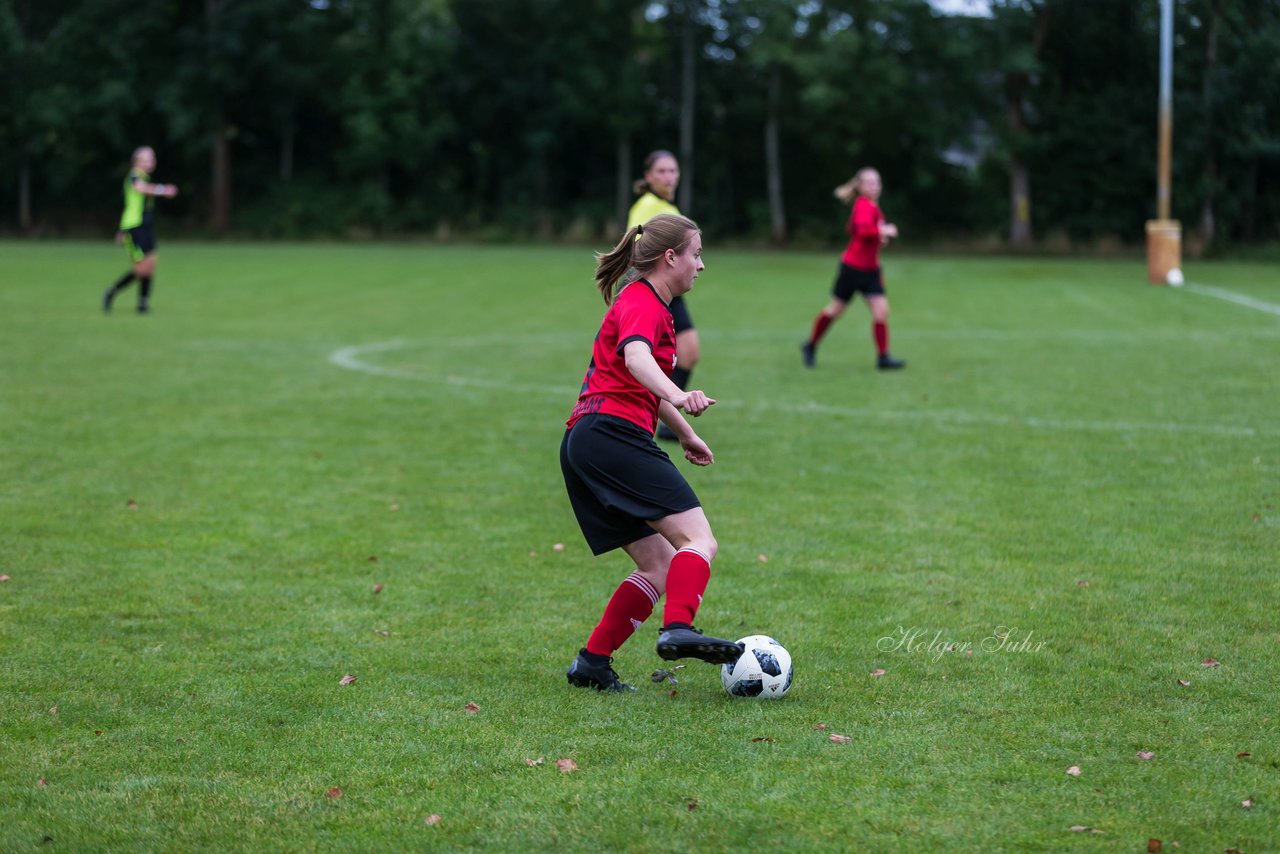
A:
x: 764, y: 670
x: 1174, y: 277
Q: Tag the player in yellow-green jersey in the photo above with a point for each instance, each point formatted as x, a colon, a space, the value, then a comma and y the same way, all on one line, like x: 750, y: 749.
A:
x: 657, y: 191
x: 137, y: 227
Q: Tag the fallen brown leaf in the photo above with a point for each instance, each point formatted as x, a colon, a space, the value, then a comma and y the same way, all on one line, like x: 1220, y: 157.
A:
x: 819, y: 726
x: 431, y: 820
x: 131, y: 504
x: 558, y: 547
x: 566, y: 765
x: 97, y: 732
x: 1233, y: 851
x: 693, y: 805
x: 377, y: 587
x: 672, y: 693
x: 1083, y: 828
x: 879, y: 671
x: 836, y: 738
x: 1082, y: 583
x: 348, y: 679
x: 395, y: 507
x: 1209, y: 662
x: 767, y: 738
x: 333, y: 793
x: 1074, y: 770
x: 532, y: 762
x: 372, y: 558
x: 4, y: 578
x: 1154, y: 846
x: 762, y: 558
x: 1247, y: 803
x: 42, y: 782
x: 1146, y: 754
x: 54, y: 711
x: 1245, y: 755
x: 472, y: 708
x: 1184, y: 683
x: 382, y: 632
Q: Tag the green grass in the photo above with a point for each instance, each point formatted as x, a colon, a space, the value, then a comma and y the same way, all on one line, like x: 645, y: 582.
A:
x: 195, y: 506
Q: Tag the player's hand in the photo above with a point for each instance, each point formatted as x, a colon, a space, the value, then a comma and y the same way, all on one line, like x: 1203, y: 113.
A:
x: 693, y: 402
x: 696, y: 451
x: 120, y: 237
x: 171, y: 190
x: 889, y: 231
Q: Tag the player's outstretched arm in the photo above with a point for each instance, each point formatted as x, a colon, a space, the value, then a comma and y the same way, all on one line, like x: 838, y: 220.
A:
x: 640, y: 363
x: 167, y: 191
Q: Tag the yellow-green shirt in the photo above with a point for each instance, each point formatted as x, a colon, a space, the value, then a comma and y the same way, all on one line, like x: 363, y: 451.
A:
x: 136, y: 204
x: 647, y: 207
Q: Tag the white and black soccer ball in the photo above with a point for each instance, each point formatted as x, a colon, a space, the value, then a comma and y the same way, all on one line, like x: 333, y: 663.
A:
x: 764, y: 670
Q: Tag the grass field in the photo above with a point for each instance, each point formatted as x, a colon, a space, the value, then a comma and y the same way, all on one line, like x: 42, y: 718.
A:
x: 196, y: 506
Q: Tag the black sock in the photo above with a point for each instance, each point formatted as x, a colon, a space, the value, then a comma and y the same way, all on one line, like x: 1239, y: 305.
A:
x: 680, y: 376
x: 123, y: 283
x: 144, y: 286
x: 593, y: 657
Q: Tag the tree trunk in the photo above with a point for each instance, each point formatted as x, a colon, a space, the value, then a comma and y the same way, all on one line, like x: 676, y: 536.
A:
x: 1208, y: 225
x: 288, y: 136
x: 688, y: 91
x: 24, y: 199
x: 1019, y: 179
x: 220, y: 178
x: 1251, y: 201
x: 622, y: 188
x: 1016, y: 84
x: 220, y: 143
x: 773, y: 161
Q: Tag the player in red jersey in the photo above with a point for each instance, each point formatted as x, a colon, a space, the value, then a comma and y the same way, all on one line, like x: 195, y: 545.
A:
x: 860, y: 269
x: 625, y: 491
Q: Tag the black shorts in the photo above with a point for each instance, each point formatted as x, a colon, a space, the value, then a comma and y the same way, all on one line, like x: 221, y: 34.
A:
x: 680, y: 314
x: 850, y: 281
x: 618, y: 478
x: 140, y: 242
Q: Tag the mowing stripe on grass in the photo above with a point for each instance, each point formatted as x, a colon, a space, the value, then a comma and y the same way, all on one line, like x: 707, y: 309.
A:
x: 350, y: 358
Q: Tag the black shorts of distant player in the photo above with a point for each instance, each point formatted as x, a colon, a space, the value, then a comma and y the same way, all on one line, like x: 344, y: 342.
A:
x: 850, y: 282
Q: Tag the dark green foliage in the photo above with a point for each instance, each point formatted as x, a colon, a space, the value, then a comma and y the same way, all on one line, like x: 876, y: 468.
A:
x: 521, y: 118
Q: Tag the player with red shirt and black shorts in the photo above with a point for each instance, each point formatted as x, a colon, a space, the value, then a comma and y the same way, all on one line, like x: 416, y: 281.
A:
x: 625, y: 491
x: 860, y: 269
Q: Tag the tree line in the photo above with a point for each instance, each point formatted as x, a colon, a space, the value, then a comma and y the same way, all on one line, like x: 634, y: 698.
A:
x: 1032, y: 122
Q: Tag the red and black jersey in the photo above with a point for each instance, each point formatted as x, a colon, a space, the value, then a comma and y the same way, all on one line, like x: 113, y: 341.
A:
x: 863, y: 251
x: 637, y: 314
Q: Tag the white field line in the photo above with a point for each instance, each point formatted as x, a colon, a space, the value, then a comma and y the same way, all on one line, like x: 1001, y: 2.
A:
x: 351, y: 358
x: 1232, y: 296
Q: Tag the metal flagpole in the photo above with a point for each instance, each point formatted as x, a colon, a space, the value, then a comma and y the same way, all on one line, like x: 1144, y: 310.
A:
x: 1164, y: 235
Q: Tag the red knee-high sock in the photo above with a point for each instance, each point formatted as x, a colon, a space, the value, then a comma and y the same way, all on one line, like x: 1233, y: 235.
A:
x: 630, y: 605
x: 686, y: 581
x: 880, y: 329
x: 820, y: 324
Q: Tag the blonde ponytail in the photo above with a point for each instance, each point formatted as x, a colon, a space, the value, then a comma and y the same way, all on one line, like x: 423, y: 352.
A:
x: 641, y: 248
